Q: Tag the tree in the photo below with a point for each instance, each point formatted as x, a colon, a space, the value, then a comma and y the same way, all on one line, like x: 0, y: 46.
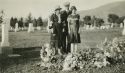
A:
x: 20, y: 22
x: 39, y: 21
x: 1, y: 16
x: 87, y: 20
x: 12, y: 22
x: 99, y: 22
x: 29, y: 18
x: 112, y: 18
x: 93, y: 21
x: 120, y: 20
x: 26, y: 22
x: 34, y: 22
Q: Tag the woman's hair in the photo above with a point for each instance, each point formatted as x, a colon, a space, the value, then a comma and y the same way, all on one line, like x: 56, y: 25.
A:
x: 73, y: 8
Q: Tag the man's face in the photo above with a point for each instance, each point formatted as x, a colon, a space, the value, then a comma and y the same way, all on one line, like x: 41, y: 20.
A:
x: 67, y: 7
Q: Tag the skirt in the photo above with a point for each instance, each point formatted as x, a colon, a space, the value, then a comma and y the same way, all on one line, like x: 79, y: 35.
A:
x: 74, y: 36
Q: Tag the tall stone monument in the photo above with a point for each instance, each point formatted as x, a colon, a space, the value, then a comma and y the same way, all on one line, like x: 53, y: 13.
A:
x: 123, y: 32
x: 5, y: 36
x: 5, y: 45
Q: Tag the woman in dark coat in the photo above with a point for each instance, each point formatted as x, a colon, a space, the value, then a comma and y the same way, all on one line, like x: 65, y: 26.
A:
x: 56, y: 36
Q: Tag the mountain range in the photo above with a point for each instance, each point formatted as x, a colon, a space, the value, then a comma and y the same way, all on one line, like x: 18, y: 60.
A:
x: 103, y: 11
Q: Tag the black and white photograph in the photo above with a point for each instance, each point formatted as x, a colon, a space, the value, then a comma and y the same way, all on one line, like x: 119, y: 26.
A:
x: 62, y: 36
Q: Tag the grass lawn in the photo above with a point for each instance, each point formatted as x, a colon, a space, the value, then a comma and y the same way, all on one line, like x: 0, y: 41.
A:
x: 89, y: 38
x: 25, y: 40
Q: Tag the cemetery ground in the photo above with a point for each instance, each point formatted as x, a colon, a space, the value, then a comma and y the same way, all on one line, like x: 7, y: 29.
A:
x: 29, y: 44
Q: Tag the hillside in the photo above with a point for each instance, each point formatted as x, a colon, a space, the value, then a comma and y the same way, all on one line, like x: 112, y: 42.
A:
x: 102, y: 11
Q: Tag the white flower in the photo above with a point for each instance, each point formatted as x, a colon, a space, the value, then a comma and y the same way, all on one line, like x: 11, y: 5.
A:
x: 98, y: 64
x: 107, y: 54
x: 105, y: 62
x: 66, y: 66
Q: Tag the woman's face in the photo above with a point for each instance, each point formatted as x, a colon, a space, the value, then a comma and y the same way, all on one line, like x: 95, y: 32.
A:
x: 73, y: 11
x: 57, y: 11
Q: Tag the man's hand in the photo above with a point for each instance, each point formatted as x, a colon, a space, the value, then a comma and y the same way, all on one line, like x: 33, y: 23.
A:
x: 54, y: 34
x: 69, y: 31
x: 63, y: 30
x: 59, y: 18
x: 59, y: 21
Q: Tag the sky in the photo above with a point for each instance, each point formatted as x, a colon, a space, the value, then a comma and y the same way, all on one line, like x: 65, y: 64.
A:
x: 21, y: 8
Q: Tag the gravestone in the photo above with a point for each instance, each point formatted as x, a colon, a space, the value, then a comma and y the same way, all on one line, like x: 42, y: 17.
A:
x: 91, y: 27
x: 5, y: 45
x: 16, y: 27
x: 121, y: 25
x: 107, y: 26
x: 5, y: 37
x: 102, y: 27
x: 123, y: 32
x: 87, y: 26
x: 112, y: 25
x: 30, y: 28
x: 39, y: 28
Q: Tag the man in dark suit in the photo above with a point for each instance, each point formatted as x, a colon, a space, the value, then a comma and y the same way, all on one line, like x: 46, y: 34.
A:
x: 64, y: 15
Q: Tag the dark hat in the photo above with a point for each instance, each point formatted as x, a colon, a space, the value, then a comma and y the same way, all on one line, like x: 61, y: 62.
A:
x: 67, y: 4
x: 57, y: 7
x: 73, y: 7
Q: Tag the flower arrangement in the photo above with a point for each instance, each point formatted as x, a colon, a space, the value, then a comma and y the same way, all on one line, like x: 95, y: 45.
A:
x: 113, y: 51
x: 107, y: 53
x: 73, y: 62
x: 46, y: 55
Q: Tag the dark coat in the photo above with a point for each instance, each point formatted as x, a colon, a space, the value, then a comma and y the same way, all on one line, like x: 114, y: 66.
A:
x: 64, y: 16
x: 57, y: 30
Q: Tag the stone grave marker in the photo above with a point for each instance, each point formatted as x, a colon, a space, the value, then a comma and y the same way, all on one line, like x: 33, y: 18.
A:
x: 39, y: 28
x: 30, y: 28
x: 5, y: 35
x: 5, y: 45
x: 123, y: 32
x: 121, y: 25
x: 16, y: 27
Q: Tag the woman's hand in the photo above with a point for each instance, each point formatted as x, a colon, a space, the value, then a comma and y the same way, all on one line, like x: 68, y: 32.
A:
x: 51, y: 30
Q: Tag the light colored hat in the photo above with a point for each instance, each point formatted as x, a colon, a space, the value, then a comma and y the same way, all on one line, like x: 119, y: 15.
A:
x: 57, y: 7
x: 67, y: 4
